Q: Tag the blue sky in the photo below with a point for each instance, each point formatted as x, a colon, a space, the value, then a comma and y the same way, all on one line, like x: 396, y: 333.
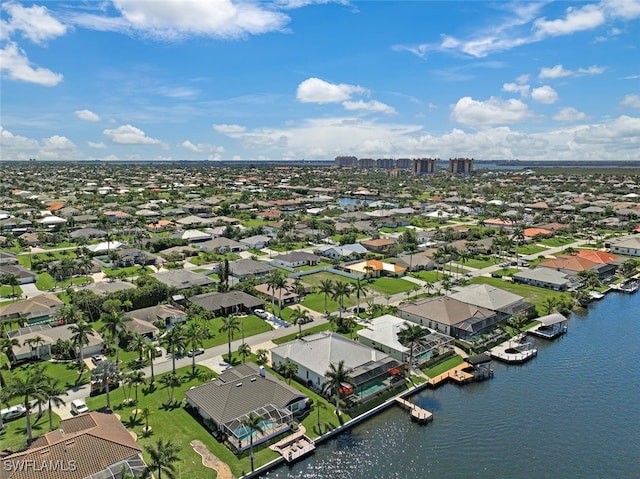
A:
x: 314, y: 79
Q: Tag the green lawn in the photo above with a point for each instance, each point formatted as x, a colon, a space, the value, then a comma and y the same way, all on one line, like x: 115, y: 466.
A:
x: 253, y: 222
x: 6, y: 291
x: 387, y: 285
x: 251, y: 325
x: 127, y: 272
x: 531, y: 294
x: 555, y: 242
x: 479, y: 263
x: 14, y: 436
x: 315, y: 301
x: 45, y: 282
x: 322, y: 264
x: 444, y: 367
x: 531, y: 249
x: 66, y: 373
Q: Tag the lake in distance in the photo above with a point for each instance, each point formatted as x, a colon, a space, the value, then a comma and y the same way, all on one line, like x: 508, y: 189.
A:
x: 571, y: 412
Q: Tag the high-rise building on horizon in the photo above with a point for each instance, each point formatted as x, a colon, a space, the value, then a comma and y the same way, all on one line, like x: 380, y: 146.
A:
x: 424, y: 166
x: 460, y: 166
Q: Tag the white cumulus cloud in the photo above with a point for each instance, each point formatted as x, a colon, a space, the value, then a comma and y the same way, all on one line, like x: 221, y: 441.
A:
x: 544, y: 94
x: 129, y: 135
x: 558, y: 71
x: 55, y: 147
x: 314, y: 90
x: 97, y: 145
x: 569, y: 115
x: 179, y: 19
x: 494, y: 111
x: 523, y: 90
x: 34, y: 22
x: 632, y: 101
x: 86, y: 115
x: 575, y: 20
x: 15, y: 64
x: 201, y: 147
x: 372, y: 106
x: 229, y: 129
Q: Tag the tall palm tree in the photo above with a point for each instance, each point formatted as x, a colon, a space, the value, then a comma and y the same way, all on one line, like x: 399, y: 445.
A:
x: 53, y: 392
x: 113, y: 325
x: 137, y: 343
x: 195, y: 332
x: 6, y: 347
x: 244, y: 350
x: 438, y: 257
x: 254, y: 423
x: 336, y: 375
x: 359, y: 289
x: 69, y: 314
x: 411, y: 335
x: 136, y: 378
x: 10, y: 279
x: 27, y: 387
x: 174, y: 341
x: 288, y: 370
x: 325, y: 287
x: 106, y: 372
x: 170, y: 381
x: 80, y: 338
x: 341, y: 290
x: 145, y: 414
x: 276, y: 281
x: 163, y: 456
x: 229, y: 325
x: 150, y: 352
x: 300, y: 316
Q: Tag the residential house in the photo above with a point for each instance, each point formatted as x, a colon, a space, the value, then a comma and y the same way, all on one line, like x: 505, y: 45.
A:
x: 7, y: 258
x: 503, y: 302
x: 417, y: 261
x: 88, y: 233
x: 256, y: 241
x: 37, y: 309
x: 227, y: 401
x: 382, y: 334
x: 107, y: 287
x: 145, y: 320
x: 546, y: 278
x: 192, y: 236
x: 380, y: 245
x: 182, y: 278
x: 374, y: 268
x: 248, y: 268
x: 296, y: 259
x: 48, y: 336
x: 24, y: 275
x: 92, y: 445
x: 222, y: 245
x: 626, y: 245
x: 371, y: 370
x: 223, y: 304
x: 574, y: 264
x: 343, y: 252
x: 450, y: 316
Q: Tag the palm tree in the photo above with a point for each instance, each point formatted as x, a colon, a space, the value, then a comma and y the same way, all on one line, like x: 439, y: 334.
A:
x: 517, y: 321
x: 325, y: 287
x: 244, y: 350
x: 428, y: 287
x: 438, y: 257
x: 288, y: 370
x: 170, y: 381
x: 229, y: 325
x: 69, y: 314
x: 10, y: 279
x: 145, y: 413
x: 34, y: 343
x: 300, y: 316
x: 136, y: 378
x: 411, y: 335
x: 6, y: 347
x: 336, y: 375
x: 254, y: 423
x: 52, y: 392
x: 151, y: 353
x: 113, y: 326
x: 80, y: 337
x: 550, y: 304
x: 137, y: 343
x: 163, y: 456
x: 27, y: 387
x: 195, y: 333
x: 341, y: 290
x: 105, y: 373
x: 517, y: 237
x: 359, y: 289
x: 334, y: 321
x: 173, y: 341
x: 276, y: 281
x: 262, y: 357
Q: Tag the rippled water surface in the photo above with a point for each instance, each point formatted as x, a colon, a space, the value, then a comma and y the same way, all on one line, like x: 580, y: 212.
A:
x: 572, y: 412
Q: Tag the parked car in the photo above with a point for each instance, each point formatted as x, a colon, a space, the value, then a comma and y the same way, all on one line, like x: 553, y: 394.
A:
x: 78, y: 406
x: 96, y: 358
x: 13, y: 412
x: 261, y: 313
x: 196, y: 352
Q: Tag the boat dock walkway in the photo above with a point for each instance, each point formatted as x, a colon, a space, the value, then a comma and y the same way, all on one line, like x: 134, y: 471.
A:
x: 417, y: 413
x: 294, y: 446
x: 457, y: 374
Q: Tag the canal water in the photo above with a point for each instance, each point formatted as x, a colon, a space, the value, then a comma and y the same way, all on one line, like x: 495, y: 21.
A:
x: 571, y: 412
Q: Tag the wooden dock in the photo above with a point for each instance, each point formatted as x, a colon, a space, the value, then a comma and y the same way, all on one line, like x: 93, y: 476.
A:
x: 418, y: 414
x: 457, y: 374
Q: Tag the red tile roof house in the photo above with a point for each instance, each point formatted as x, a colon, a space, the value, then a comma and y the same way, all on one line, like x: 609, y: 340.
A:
x: 378, y: 245
x: 95, y: 444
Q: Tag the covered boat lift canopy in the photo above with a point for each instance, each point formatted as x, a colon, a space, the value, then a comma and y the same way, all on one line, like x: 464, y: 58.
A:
x: 551, y: 319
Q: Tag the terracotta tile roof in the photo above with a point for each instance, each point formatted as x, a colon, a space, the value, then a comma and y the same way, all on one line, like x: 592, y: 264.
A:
x: 531, y: 232
x: 601, y: 257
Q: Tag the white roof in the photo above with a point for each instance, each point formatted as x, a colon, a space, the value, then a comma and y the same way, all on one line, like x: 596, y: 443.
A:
x: 104, y: 246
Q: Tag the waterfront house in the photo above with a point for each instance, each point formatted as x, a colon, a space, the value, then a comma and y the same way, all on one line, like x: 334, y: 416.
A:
x: 225, y: 402
x: 450, y: 316
x: 92, y: 445
x: 382, y: 334
x: 372, y: 371
x: 546, y: 278
x: 503, y: 302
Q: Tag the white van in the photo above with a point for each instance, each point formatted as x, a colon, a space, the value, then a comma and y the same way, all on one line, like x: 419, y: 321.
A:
x: 78, y: 406
x: 13, y: 412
